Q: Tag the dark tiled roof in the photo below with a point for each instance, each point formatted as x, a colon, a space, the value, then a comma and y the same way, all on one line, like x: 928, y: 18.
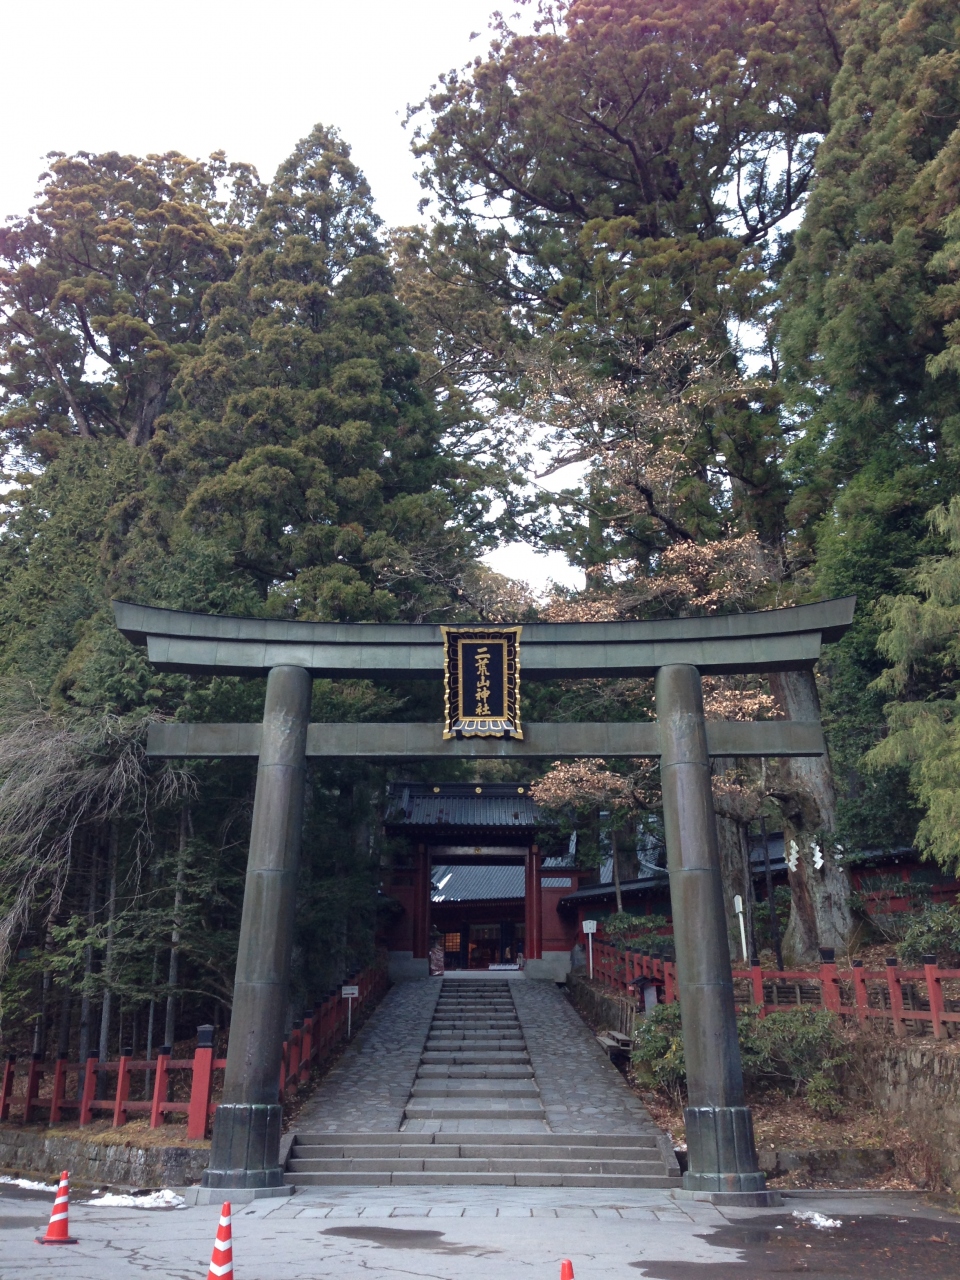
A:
x: 477, y: 884
x: 472, y: 806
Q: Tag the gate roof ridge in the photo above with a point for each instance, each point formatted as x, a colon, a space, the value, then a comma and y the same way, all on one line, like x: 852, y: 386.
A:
x: 830, y: 618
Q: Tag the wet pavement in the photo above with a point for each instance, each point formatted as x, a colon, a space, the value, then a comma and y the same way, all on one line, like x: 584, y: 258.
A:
x: 483, y: 1233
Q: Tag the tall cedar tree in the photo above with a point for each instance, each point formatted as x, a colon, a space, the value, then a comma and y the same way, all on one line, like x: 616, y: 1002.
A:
x: 869, y: 298
x: 101, y: 291
x: 306, y: 447
x: 616, y: 180
x: 298, y: 470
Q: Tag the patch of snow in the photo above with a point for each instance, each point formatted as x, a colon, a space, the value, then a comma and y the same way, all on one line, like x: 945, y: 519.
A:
x: 817, y: 1219
x: 166, y: 1199
x: 28, y: 1185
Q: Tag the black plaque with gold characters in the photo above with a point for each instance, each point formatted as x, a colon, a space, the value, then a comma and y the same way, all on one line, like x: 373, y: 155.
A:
x: 481, y: 682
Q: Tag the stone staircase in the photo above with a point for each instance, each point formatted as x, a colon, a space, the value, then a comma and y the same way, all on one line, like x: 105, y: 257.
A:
x: 475, y: 1065
x: 474, y: 1117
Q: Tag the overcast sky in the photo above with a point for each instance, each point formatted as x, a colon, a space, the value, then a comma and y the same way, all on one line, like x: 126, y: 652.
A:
x: 247, y: 78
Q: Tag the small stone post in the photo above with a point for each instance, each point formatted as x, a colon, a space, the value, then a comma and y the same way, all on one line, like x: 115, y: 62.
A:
x: 245, y: 1152
x: 721, y: 1152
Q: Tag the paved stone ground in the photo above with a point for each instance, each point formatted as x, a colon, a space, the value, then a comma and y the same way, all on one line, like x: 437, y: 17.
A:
x: 487, y: 1233
x: 581, y: 1090
x: 368, y: 1089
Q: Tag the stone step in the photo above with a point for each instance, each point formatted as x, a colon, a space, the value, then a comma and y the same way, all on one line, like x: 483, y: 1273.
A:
x: 475, y: 1149
x: 425, y: 1179
x: 649, y: 1168
x: 447, y: 1071
x: 473, y: 1088
x: 476, y: 1056
x: 486, y: 1034
x: 495, y: 1140
x: 473, y: 1109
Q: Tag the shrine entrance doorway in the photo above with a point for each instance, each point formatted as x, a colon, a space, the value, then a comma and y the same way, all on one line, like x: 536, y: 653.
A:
x: 471, y: 875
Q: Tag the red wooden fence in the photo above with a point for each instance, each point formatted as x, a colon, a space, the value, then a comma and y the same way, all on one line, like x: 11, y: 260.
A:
x: 311, y: 1042
x: 903, y: 998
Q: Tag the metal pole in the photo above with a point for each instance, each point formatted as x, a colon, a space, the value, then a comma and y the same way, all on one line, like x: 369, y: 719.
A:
x: 590, y: 946
x: 246, y: 1135
x: 721, y: 1151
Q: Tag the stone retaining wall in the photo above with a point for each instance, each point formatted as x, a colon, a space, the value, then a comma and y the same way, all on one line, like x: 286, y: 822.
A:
x: 918, y: 1082
x: 30, y: 1152
x: 598, y: 1008
x: 914, y: 1081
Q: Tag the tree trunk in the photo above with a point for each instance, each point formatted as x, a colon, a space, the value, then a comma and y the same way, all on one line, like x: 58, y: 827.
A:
x: 615, y: 859
x: 86, y: 1012
x: 820, y: 914
x: 107, y: 1007
x: 170, y: 1028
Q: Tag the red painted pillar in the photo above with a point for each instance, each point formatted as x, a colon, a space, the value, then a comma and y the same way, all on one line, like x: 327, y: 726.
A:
x: 533, y: 906
x: 421, y: 904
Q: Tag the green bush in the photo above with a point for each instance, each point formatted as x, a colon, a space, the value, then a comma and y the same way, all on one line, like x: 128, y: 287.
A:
x: 640, y: 933
x: 801, y: 1051
x: 935, y: 931
x: 657, y: 1057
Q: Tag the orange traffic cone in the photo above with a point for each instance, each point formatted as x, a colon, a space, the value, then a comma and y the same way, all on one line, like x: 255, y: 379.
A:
x: 221, y: 1261
x: 58, y: 1231
x: 566, y: 1269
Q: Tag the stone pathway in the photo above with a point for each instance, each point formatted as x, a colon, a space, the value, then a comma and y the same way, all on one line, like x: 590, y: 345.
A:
x: 581, y: 1090
x: 367, y: 1090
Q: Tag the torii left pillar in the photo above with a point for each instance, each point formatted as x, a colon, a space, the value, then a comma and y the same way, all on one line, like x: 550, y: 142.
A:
x: 245, y: 1152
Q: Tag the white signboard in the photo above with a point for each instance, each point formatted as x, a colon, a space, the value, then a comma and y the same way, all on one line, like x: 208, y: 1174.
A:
x: 589, y: 926
x: 349, y: 991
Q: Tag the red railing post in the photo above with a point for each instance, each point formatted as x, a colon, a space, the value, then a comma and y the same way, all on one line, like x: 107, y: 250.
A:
x: 860, y: 998
x: 829, y: 980
x: 896, y: 997
x: 931, y: 975
x: 59, y: 1088
x: 756, y: 982
x: 306, y: 1046
x: 669, y: 982
x: 123, y: 1088
x: 201, y: 1084
x: 34, y: 1072
x: 293, y: 1063
x: 160, y: 1087
x: 89, y: 1086
x: 6, y: 1090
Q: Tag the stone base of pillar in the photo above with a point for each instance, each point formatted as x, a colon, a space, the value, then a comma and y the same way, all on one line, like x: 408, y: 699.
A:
x: 236, y: 1195
x: 721, y: 1153
x: 245, y: 1151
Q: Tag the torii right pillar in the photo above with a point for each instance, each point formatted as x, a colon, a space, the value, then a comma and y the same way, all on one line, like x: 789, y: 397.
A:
x: 721, y: 1153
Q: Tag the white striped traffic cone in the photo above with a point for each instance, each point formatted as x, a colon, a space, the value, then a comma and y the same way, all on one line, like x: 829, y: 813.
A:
x: 58, y: 1229
x: 221, y: 1260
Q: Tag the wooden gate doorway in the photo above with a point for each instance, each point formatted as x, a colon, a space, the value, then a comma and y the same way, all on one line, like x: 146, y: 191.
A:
x: 470, y: 875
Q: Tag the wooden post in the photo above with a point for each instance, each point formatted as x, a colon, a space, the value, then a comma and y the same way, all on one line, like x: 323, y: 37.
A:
x: 6, y: 1091
x: 59, y: 1088
x: 829, y: 980
x: 123, y: 1088
x: 669, y: 982
x: 756, y: 982
x: 931, y: 974
x: 860, y: 999
x: 89, y: 1086
x: 306, y: 1052
x: 421, y: 903
x: 160, y: 1087
x: 199, y: 1113
x: 34, y: 1074
x: 896, y: 997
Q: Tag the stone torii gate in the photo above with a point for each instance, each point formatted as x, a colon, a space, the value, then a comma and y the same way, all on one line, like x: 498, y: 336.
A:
x: 246, y: 1136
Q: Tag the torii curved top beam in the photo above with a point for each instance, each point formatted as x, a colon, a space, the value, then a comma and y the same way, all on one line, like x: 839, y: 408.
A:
x: 731, y: 644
